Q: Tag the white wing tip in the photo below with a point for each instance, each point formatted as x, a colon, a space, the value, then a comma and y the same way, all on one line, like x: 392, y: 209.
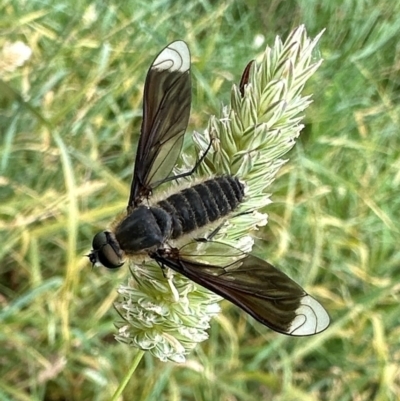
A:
x: 175, y: 57
x: 311, y: 318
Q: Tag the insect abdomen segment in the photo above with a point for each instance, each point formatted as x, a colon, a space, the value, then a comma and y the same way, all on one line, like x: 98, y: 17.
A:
x: 203, y: 203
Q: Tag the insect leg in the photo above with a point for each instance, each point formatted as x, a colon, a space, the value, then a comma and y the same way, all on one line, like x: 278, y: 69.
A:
x: 216, y: 230
x: 212, y: 234
x: 168, y: 275
x: 187, y: 173
x: 198, y: 162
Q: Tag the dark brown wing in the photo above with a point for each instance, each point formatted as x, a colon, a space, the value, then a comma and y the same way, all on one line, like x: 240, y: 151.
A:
x: 166, y: 110
x: 245, y: 77
x: 258, y: 288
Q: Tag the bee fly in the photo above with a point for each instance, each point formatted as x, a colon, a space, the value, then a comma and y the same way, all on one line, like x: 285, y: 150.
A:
x: 150, y: 228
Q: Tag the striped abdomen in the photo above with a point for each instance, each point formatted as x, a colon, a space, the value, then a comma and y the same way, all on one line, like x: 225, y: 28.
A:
x: 202, y: 204
x: 148, y: 228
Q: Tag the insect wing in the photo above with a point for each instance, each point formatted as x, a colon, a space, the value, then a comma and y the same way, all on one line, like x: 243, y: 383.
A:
x: 256, y: 286
x: 245, y: 77
x: 166, y: 110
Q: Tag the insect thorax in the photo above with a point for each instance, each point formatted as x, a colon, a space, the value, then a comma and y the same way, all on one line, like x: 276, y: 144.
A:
x: 179, y: 214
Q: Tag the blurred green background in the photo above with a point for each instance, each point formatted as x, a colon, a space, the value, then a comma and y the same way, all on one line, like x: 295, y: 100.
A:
x: 69, y: 120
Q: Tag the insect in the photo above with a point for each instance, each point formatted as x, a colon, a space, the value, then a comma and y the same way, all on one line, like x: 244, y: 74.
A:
x: 151, y: 228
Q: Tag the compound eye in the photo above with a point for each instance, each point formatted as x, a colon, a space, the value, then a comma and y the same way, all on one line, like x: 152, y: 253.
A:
x: 99, y: 240
x: 106, y: 251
